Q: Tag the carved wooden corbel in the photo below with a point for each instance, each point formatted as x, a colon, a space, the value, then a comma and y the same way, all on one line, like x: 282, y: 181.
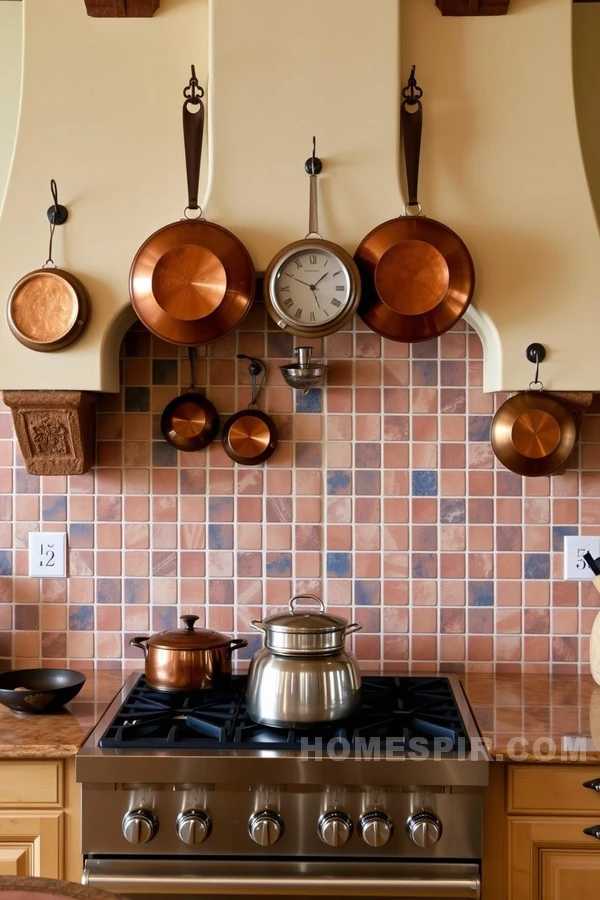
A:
x: 120, y: 9
x: 473, y: 7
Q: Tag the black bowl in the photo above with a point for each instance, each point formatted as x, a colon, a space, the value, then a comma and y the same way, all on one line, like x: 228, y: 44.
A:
x: 39, y: 690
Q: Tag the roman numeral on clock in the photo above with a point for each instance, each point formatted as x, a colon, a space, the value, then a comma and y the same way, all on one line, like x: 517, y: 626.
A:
x: 312, y: 316
x: 336, y: 302
x: 298, y: 314
x: 298, y: 263
x: 313, y: 259
x: 288, y: 302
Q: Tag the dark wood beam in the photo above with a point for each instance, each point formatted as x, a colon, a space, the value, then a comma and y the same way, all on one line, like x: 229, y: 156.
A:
x: 120, y: 9
x: 473, y: 7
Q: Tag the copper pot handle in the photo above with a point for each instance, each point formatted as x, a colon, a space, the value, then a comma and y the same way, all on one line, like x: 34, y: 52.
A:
x: 140, y: 643
x: 355, y: 626
x: 236, y: 644
x: 193, y: 131
x: 412, y: 128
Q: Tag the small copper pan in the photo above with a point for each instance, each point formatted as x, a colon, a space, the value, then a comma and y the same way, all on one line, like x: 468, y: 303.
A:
x: 417, y: 274
x: 190, y: 422
x: 48, y: 309
x: 192, y: 282
x: 533, y: 434
x: 250, y: 436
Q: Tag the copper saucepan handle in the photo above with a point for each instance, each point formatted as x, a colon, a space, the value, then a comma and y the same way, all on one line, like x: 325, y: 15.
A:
x: 411, y: 119
x: 193, y: 131
x: 237, y: 644
x: 140, y: 643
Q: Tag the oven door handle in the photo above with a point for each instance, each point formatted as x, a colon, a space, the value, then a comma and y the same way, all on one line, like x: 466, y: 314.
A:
x: 421, y: 887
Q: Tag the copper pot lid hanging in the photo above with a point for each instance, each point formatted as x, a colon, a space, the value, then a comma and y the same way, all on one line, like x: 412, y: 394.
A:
x: 192, y: 282
x: 533, y: 433
x: 417, y: 274
x: 250, y: 436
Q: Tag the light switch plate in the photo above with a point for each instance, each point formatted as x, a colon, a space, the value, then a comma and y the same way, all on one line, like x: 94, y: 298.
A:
x: 576, y: 569
x: 47, y: 554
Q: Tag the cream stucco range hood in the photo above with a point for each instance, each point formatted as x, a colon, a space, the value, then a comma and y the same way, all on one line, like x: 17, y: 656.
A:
x: 100, y: 113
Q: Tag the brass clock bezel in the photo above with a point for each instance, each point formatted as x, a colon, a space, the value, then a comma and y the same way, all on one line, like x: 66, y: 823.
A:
x: 319, y: 329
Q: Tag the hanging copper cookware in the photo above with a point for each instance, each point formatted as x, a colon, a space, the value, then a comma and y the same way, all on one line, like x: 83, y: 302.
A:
x: 533, y: 433
x: 192, y: 282
x: 49, y: 309
x: 417, y: 274
x: 190, y: 422
x: 250, y: 436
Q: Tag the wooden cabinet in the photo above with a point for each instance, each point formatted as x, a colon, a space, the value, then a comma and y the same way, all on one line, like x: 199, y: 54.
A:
x: 39, y: 819
x: 549, y: 855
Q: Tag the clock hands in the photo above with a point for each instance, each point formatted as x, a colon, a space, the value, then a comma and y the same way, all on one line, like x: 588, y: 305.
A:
x: 311, y: 286
x: 320, y: 279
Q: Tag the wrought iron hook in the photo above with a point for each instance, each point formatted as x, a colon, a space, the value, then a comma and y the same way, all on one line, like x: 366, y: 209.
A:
x: 313, y: 165
x: 412, y: 93
x: 193, y: 91
x: 536, y: 353
x: 255, y: 368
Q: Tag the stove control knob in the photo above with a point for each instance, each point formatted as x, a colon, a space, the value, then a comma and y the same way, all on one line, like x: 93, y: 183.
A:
x: 139, y: 826
x: 424, y: 829
x: 375, y: 828
x: 265, y: 827
x: 193, y: 826
x: 335, y: 828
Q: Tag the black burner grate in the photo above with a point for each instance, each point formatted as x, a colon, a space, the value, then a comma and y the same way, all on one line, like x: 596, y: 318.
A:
x: 396, y: 709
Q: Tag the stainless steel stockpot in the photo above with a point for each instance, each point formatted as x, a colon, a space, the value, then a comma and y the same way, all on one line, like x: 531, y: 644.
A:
x: 302, y: 631
x: 303, y: 676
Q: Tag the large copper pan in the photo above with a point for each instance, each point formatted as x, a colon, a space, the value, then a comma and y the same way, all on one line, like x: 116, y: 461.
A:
x: 417, y: 274
x: 192, y: 282
x: 533, y: 433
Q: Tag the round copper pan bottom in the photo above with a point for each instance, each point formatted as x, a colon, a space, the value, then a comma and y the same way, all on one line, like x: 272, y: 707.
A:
x: 192, y: 282
x: 250, y: 437
x: 189, y: 422
x: 533, y: 434
x: 48, y: 309
x: 417, y: 279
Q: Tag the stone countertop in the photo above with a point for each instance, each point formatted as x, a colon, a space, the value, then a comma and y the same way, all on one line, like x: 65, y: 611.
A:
x: 514, y: 712
x: 16, y: 888
x: 62, y: 734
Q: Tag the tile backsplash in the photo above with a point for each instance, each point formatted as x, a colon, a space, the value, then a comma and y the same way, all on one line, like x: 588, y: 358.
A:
x: 383, y: 497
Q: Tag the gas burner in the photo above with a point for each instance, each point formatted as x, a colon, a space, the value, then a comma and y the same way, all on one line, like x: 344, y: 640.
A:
x: 394, y: 709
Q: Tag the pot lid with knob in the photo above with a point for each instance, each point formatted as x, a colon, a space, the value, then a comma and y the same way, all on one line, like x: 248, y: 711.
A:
x: 189, y: 637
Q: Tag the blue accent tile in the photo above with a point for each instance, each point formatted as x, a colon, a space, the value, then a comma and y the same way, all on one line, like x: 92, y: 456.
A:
x: 338, y: 482
x: 164, y: 617
x: 108, y: 590
x: 453, y: 511
x: 537, y: 565
x: 81, y: 618
x: 165, y: 371
x: 424, y: 565
x: 424, y: 483
x: 367, y: 593
x: 220, y: 537
x: 481, y: 593
x: 255, y: 643
x: 163, y: 455
x: 279, y: 564
x: 26, y: 483
x: 339, y: 565
x: 220, y: 509
x: 5, y: 562
x: 54, y: 509
x: 136, y: 590
x: 81, y: 535
x: 559, y: 532
x: 479, y: 428
x: 310, y: 402
x: 425, y: 373
x: 137, y: 399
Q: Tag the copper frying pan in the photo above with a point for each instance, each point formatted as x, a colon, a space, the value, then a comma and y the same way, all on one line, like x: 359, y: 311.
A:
x: 250, y: 436
x: 190, y: 422
x: 417, y: 274
x: 533, y: 433
x: 192, y: 282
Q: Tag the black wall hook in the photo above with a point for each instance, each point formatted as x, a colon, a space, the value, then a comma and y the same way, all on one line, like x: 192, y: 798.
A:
x: 536, y: 353
x: 313, y: 165
x: 57, y: 214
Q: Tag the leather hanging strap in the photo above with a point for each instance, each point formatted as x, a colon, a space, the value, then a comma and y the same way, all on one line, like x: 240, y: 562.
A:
x: 411, y: 119
x: 193, y: 132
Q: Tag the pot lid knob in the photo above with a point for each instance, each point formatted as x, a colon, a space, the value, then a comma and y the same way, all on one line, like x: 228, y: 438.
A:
x: 189, y: 622
x: 294, y: 600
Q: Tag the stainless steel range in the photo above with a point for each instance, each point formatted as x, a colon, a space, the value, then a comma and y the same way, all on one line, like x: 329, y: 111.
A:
x: 184, y: 794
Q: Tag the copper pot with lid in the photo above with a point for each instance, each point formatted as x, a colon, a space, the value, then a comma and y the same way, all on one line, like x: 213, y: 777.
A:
x: 187, y: 659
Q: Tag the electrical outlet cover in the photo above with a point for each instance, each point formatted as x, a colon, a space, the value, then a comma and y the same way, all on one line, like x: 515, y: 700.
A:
x: 576, y: 569
x: 47, y: 554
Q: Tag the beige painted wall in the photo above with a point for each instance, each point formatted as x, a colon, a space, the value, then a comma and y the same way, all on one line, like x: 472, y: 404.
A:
x: 501, y: 163
x: 11, y: 37
x: 586, y: 77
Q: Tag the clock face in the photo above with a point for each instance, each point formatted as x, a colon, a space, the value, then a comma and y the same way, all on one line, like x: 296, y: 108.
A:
x: 311, y: 287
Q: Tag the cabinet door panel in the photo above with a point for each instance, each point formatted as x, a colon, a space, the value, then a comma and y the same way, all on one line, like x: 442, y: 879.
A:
x: 32, y: 840
x: 570, y: 873
x: 550, y: 858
